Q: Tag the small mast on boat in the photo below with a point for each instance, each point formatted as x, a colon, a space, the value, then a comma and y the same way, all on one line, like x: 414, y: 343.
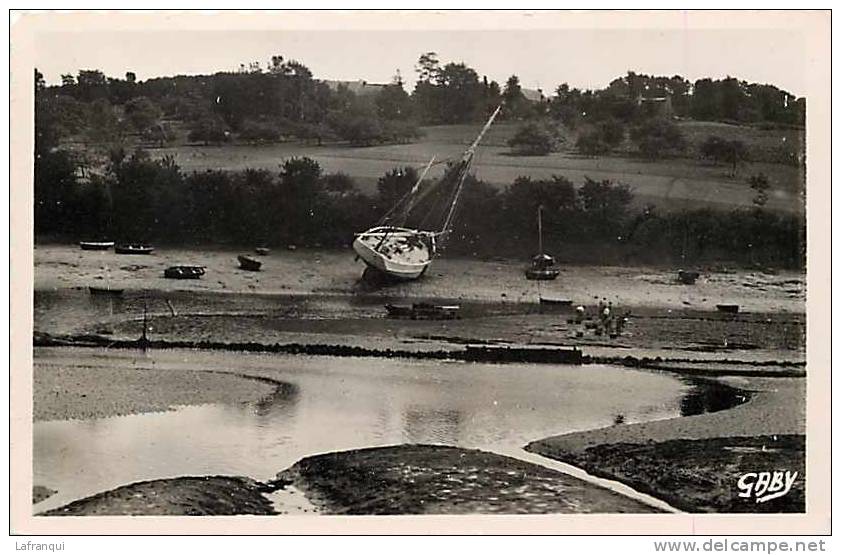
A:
x: 405, y: 253
x: 542, y: 265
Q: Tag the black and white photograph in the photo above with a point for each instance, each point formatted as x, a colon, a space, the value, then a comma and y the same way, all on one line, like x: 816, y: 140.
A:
x: 299, y: 264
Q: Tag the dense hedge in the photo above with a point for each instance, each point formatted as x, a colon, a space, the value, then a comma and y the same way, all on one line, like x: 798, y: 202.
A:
x: 143, y: 199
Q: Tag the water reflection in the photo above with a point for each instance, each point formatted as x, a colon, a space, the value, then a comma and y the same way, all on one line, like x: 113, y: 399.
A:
x: 710, y: 396
x: 279, y: 404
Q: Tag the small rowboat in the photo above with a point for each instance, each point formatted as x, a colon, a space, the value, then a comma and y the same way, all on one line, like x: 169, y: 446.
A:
x: 399, y: 310
x: 248, y: 263
x: 96, y: 245
x: 555, y: 303
x: 262, y: 251
x: 184, y: 272
x: 133, y: 249
x: 729, y: 308
x: 687, y: 277
x: 104, y: 291
x: 423, y: 311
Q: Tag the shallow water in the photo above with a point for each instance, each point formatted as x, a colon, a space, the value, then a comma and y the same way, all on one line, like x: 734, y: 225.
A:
x: 327, y: 404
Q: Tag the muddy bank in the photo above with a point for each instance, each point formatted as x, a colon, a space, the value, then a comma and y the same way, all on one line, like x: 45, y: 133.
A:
x: 91, y: 391
x: 694, y: 462
x: 427, y: 479
x: 184, y: 496
x: 701, y: 475
x: 360, y: 322
x: 331, y: 272
x: 39, y: 493
x: 403, y: 479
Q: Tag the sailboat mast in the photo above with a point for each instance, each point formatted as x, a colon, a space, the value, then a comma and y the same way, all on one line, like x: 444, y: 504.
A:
x: 540, y: 227
x: 466, y: 160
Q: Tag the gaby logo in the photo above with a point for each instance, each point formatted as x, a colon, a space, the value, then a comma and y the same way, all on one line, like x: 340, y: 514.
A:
x: 765, y: 486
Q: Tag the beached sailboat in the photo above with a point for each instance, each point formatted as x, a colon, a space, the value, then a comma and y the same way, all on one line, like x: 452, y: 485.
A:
x: 542, y: 265
x: 400, y: 252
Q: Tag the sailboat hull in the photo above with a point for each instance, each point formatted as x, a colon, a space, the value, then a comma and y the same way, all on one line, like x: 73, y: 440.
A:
x: 547, y: 274
x: 402, y: 254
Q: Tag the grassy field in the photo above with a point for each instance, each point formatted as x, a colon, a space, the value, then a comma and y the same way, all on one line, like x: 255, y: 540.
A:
x: 672, y: 184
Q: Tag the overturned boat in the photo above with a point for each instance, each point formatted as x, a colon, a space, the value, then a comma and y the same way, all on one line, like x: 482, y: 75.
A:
x: 398, y: 251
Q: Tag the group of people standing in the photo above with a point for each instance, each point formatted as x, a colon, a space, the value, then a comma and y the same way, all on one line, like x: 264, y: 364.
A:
x: 606, y: 322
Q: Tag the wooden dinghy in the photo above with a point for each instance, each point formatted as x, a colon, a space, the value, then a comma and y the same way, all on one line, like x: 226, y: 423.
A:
x: 96, y: 245
x: 184, y: 272
x: 133, y: 248
x: 687, y: 277
x: 248, y: 263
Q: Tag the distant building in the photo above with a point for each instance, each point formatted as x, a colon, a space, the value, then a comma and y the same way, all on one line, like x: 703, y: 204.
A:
x: 533, y: 95
x: 359, y: 87
x: 657, y: 106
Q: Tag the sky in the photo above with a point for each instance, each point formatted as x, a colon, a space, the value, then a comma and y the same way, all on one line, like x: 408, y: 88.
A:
x: 542, y: 58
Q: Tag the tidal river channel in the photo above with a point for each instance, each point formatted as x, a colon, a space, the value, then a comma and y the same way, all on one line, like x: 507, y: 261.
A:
x: 323, y: 404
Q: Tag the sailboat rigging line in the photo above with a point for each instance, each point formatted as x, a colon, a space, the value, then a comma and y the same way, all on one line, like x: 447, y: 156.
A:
x: 438, y: 210
x: 456, y: 195
x: 413, y: 201
x: 407, y: 196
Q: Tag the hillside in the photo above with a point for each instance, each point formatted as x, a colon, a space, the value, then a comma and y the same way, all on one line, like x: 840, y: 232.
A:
x: 670, y: 184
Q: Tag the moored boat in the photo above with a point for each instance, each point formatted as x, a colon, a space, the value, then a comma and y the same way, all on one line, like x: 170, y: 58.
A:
x: 248, y: 263
x: 401, y: 252
x: 96, y: 245
x: 687, y: 277
x: 133, y: 248
x: 542, y: 268
x: 542, y: 265
x: 560, y: 303
x: 262, y: 251
x: 184, y: 272
x: 104, y: 291
x: 423, y: 311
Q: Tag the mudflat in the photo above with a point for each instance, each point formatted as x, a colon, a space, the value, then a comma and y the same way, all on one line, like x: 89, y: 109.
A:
x: 311, y: 297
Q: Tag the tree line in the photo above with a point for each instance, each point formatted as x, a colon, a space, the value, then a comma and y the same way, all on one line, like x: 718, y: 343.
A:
x: 283, y: 99
x: 139, y: 198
